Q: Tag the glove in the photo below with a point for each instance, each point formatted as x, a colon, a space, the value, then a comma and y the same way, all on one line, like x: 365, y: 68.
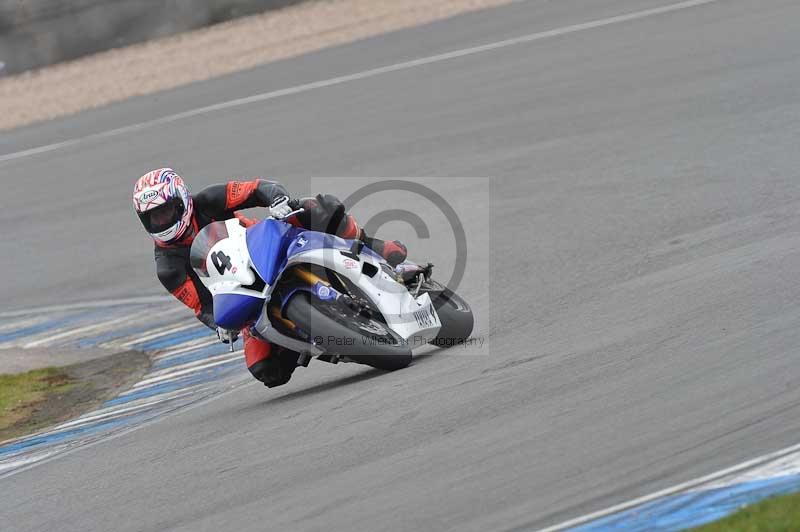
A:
x: 280, y: 208
x: 227, y: 336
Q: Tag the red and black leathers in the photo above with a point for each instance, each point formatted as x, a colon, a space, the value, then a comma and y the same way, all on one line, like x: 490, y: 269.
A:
x: 221, y: 202
x: 217, y: 202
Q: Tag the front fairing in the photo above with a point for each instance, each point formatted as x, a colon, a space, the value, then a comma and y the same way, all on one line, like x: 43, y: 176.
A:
x: 239, y: 265
x: 267, y: 243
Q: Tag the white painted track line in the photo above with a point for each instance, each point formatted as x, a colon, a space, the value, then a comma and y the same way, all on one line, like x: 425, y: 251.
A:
x: 678, y: 488
x: 86, y: 305
x: 238, y: 102
x: 49, y: 339
x: 173, y: 375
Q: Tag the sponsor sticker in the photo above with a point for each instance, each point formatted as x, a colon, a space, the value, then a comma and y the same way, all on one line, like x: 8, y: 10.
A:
x: 350, y: 264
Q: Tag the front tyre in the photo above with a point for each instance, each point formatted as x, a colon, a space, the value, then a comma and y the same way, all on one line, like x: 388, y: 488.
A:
x: 342, y: 332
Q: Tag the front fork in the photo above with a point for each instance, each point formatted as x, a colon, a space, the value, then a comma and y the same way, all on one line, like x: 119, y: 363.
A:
x: 310, y: 282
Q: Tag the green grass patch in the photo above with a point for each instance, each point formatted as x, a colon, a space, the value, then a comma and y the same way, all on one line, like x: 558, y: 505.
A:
x: 777, y: 514
x: 20, y: 393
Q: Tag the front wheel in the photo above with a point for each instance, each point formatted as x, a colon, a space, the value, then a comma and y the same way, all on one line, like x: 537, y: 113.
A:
x: 340, y: 331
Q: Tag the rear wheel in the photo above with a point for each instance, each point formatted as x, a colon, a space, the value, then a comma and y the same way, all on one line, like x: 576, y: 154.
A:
x: 342, y: 331
x: 454, y: 313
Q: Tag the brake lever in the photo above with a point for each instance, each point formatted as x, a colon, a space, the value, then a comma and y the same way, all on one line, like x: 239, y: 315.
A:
x: 298, y: 211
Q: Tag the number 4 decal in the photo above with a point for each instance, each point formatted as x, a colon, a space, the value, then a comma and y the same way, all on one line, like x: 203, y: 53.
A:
x: 221, y: 262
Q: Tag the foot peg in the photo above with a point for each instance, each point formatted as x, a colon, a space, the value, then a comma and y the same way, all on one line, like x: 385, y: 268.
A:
x: 409, y: 271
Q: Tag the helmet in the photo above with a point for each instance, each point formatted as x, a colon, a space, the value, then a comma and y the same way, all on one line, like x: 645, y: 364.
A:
x: 163, y: 204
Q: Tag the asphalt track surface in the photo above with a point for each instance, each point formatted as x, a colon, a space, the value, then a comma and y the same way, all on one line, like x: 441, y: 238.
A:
x: 643, y: 326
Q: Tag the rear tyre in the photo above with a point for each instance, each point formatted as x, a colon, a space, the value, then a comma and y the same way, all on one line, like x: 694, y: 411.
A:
x: 454, y: 313
x: 342, y: 332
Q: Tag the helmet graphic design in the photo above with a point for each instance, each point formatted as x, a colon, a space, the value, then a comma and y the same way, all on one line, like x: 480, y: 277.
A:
x: 163, y: 204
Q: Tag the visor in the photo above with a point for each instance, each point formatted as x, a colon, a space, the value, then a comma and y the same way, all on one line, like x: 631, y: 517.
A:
x: 163, y: 217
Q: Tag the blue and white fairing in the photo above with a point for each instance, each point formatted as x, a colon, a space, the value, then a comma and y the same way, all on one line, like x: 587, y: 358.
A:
x: 406, y: 315
x: 239, y: 281
x: 241, y: 266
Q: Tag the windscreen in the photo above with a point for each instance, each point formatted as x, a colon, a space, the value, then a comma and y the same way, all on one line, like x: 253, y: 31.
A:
x: 203, y: 242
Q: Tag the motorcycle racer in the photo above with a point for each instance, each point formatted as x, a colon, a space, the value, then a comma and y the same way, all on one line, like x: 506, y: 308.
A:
x: 173, y: 217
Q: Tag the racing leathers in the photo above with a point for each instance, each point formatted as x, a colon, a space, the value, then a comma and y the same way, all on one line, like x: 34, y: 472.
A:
x: 270, y: 364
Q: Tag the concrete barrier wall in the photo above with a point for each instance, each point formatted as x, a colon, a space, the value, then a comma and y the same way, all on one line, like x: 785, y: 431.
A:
x: 35, y: 33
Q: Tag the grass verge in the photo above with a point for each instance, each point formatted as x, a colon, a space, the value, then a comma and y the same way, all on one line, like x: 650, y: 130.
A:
x: 776, y: 514
x: 21, y: 393
x: 37, y: 399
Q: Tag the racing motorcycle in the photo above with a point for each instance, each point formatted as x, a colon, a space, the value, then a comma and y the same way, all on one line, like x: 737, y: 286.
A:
x: 323, y: 296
